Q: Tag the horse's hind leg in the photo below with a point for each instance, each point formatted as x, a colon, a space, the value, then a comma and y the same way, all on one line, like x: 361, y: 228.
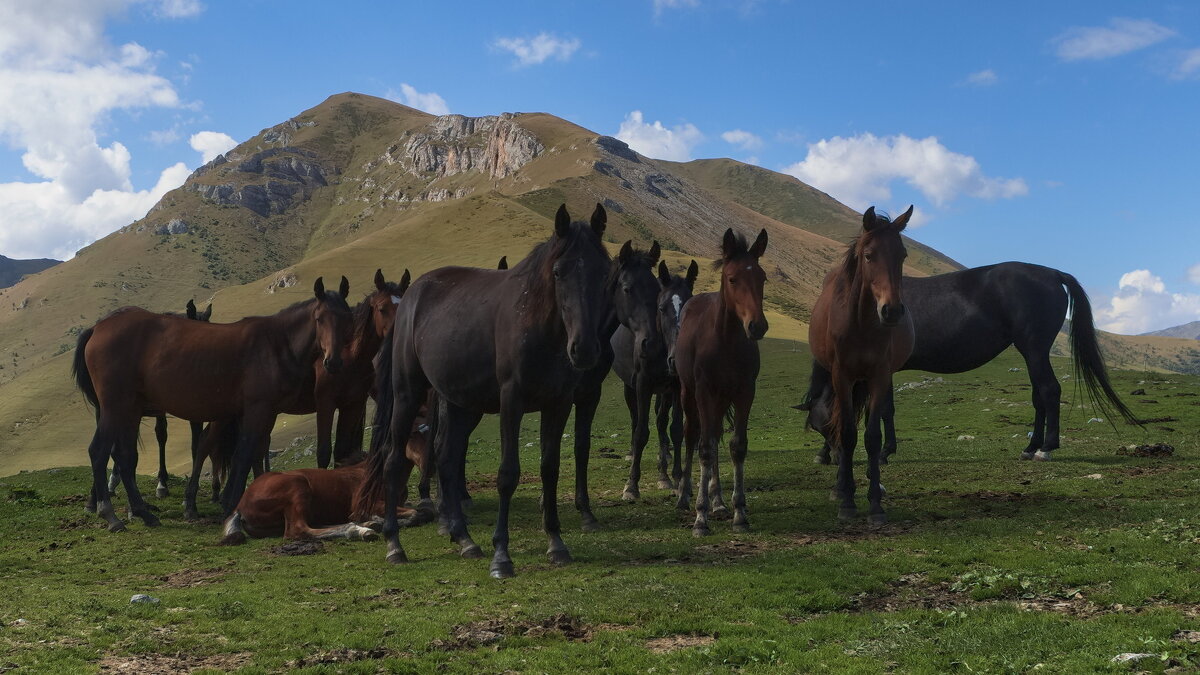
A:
x: 99, y: 452
x: 160, y: 434
x: 553, y: 422
x: 844, y: 413
x: 662, y: 418
x: 1047, y: 395
x: 691, y: 437
x: 126, y: 448
x: 586, y: 401
x: 453, y: 431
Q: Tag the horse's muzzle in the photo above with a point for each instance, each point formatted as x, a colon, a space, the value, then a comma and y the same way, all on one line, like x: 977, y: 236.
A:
x: 890, y: 315
x: 756, y: 329
x: 333, y: 365
x: 583, y: 353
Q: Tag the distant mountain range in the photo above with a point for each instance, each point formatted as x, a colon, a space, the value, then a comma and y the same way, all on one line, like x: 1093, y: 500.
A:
x: 1190, y: 331
x: 12, y: 270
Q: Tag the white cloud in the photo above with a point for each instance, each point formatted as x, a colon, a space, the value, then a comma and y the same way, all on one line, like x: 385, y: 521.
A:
x: 538, y: 49
x: 70, y: 79
x: 1143, y: 304
x: 655, y: 140
x: 1189, y: 65
x: 1194, y: 273
x: 660, y: 5
x: 858, y: 171
x: 983, y: 78
x: 179, y: 9
x: 164, y: 136
x: 409, y: 96
x: 211, y: 143
x: 1121, y: 36
x: 743, y: 139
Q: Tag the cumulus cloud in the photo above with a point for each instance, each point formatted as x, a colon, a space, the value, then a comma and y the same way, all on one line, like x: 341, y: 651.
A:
x: 859, y: 171
x: 71, y: 78
x: 211, y: 143
x: 657, y: 141
x: 1194, y: 273
x: 983, y: 78
x: 409, y: 96
x: 1189, y: 65
x: 179, y: 9
x: 742, y: 139
x: 538, y: 49
x: 1143, y: 304
x: 1120, y: 36
x: 660, y: 5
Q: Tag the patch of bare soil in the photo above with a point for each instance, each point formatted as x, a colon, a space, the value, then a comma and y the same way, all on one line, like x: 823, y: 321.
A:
x: 302, y: 547
x: 1192, y: 636
x: 343, y: 655
x: 188, y: 578
x: 673, y: 643
x: 83, y: 521
x: 911, y: 591
x: 67, y: 500
x: 736, y: 548
x: 1076, y: 606
x: 479, y: 633
x: 165, y: 664
x: 1156, y: 450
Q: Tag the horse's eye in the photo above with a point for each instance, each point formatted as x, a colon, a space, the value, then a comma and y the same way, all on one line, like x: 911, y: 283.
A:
x: 557, y: 272
x: 868, y: 257
x: 627, y: 289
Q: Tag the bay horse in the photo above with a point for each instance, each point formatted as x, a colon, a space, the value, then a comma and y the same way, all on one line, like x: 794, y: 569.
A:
x: 318, y: 503
x: 861, y: 333
x: 134, y: 360
x: 967, y: 318
x: 717, y: 361
x: 487, y: 341
x: 643, y: 380
x: 324, y: 393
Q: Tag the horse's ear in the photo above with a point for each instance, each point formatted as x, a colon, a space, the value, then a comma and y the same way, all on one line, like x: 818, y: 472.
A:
x: 869, y: 219
x: 599, y: 220
x: 207, y: 313
x: 405, y: 280
x: 380, y: 282
x: 655, y: 253
x: 319, y: 288
x: 692, y: 273
x: 626, y: 251
x: 344, y: 288
x: 728, y: 244
x: 562, y: 222
x: 903, y: 219
x: 191, y: 309
x: 503, y: 263
x: 664, y: 273
x: 760, y: 244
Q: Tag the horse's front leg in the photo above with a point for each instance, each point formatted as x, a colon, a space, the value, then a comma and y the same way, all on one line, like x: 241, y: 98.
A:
x: 889, y: 425
x: 553, y: 423
x: 738, y: 447
x: 325, y: 411
x: 845, y: 438
x: 711, y: 417
x: 587, y: 399
x: 641, y: 435
x: 254, y: 438
x: 506, y: 479
x: 691, y: 437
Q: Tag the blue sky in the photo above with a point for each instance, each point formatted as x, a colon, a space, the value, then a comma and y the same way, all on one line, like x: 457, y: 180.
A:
x: 1063, y: 134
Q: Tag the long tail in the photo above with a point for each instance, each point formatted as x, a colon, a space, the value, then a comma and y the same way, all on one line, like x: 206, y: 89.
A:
x: 235, y: 534
x: 79, y: 371
x: 1089, y: 361
x: 371, y: 491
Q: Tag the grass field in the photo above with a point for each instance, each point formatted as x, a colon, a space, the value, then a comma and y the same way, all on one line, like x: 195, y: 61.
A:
x: 989, y: 564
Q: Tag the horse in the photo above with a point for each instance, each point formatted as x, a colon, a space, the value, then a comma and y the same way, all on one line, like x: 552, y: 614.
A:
x: 317, y: 503
x: 488, y: 341
x: 861, y: 333
x: 716, y: 359
x: 967, y: 318
x: 345, y: 392
x: 641, y: 383
x: 134, y: 360
x: 503, y: 264
x: 160, y: 430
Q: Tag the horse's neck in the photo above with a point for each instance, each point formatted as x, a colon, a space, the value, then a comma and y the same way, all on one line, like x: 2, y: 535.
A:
x: 860, y: 311
x: 301, y: 335
x: 366, y: 339
x: 729, y: 325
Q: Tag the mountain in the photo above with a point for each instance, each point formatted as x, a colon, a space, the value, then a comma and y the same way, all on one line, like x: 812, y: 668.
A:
x: 358, y: 183
x: 1190, y: 331
x: 12, y: 270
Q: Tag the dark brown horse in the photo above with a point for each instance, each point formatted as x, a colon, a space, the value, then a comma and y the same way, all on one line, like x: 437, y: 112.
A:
x: 964, y: 319
x: 861, y: 333
x: 488, y: 341
x: 716, y: 359
x: 646, y: 379
x: 344, y: 392
x: 134, y: 360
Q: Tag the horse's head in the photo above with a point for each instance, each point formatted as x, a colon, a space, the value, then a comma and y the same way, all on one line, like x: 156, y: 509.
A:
x: 634, y: 296
x: 578, y: 264
x: 384, y: 299
x: 503, y: 264
x: 334, y: 322
x: 742, y: 280
x: 196, y: 315
x: 878, y: 259
x: 674, y: 291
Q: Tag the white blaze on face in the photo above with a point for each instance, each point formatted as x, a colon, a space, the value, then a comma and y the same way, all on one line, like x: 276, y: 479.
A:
x: 395, y: 299
x: 678, y: 309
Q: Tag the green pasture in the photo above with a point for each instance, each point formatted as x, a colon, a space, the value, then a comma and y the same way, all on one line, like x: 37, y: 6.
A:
x: 989, y: 564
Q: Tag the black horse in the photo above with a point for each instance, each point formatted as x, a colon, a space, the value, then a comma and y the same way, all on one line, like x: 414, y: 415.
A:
x: 646, y: 378
x: 965, y: 319
x: 488, y: 341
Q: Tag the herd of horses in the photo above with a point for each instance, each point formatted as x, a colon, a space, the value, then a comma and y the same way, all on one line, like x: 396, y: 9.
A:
x: 458, y: 342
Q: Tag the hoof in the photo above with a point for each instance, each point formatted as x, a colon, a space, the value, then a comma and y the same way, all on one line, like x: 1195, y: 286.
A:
x: 162, y: 491
x: 471, y: 552
x: 719, y: 511
x: 367, y: 534
x: 89, y: 508
x: 443, y: 528
x: 883, y: 459
x: 631, y: 495
x: 190, y: 515
x: 683, y: 504
x: 150, y: 520
x: 847, y: 513
x: 1041, y: 456
x: 877, y: 519
x: 701, y: 531
x: 665, y: 484
x: 835, y: 496
x: 591, y: 525
x: 118, y: 526
x: 502, y: 570
x: 559, y: 557
x: 821, y: 459
x: 1028, y: 454
x: 397, y: 558
x: 741, y: 528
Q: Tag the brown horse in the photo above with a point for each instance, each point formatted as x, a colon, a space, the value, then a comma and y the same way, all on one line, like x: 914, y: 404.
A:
x: 345, y: 392
x: 133, y: 360
x: 861, y: 334
x: 318, y: 503
x: 716, y: 359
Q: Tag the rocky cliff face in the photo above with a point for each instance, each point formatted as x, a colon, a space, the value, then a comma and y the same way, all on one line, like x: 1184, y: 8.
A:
x: 454, y: 144
x: 280, y: 178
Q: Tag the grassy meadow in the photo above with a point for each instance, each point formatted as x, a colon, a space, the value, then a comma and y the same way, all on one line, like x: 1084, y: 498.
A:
x: 989, y: 564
